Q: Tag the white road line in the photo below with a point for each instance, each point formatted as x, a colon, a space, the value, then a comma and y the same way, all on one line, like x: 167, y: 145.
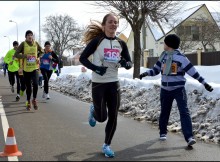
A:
x: 5, y: 127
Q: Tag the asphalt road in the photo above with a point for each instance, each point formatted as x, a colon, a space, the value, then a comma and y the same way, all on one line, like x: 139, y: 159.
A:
x: 59, y: 131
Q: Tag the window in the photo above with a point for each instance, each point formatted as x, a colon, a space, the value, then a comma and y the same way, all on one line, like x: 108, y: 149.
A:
x: 195, y: 33
x: 180, y: 30
x: 188, y: 30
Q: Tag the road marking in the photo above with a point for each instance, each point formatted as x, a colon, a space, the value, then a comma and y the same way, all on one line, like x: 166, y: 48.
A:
x: 5, y: 127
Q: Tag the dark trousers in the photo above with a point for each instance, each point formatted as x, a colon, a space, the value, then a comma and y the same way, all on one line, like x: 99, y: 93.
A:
x: 12, y: 76
x: 166, y: 99
x: 106, y: 95
x: 31, y: 79
x: 40, y: 80
x: 22, y: 82
x: 46, y: 75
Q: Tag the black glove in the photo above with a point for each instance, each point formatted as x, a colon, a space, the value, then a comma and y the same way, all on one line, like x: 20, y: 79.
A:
x: 125, y: 64
x: 101, y: 70
x: 208, y: 87
x: 143, y: 75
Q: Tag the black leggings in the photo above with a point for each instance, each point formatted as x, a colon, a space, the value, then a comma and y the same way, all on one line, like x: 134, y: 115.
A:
x: 106, y: 95
x: 46, y: 75
x: 12, y: 76
x: 22, y: 82
x: 31, y: 78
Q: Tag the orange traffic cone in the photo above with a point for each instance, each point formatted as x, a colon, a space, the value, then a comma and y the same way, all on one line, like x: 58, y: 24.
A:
x: 11, y: 148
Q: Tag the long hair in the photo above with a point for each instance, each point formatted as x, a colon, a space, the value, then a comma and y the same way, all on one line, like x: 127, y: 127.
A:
x: 95, y: 28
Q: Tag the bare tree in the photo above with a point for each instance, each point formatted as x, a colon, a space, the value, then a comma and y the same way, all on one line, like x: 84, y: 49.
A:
x: 63, y: 32
x: 186, y: 38
x: 209, y: 32
x: 135, y: 13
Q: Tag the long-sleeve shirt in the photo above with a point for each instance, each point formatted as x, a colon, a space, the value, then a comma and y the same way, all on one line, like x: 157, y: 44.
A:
x: 106, y: 52
x: 180, y: 66
x: 9, y: 58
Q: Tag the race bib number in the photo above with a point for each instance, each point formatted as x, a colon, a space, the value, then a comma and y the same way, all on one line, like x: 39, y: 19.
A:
x: 173, y: 68
x: 31, y: 59
x: 46, y: 61
x: 111, y: 55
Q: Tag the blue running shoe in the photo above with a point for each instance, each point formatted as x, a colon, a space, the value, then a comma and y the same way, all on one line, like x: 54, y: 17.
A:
x: 92, y: 121
x: 107, y: 151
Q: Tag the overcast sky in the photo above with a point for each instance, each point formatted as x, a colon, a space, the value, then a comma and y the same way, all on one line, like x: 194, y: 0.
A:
x: 26, y: 15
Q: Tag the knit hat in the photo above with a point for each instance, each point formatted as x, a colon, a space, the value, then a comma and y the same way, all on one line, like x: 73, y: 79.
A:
x: 46, y: 43
x: 28, y: 32
x: 172, y: 40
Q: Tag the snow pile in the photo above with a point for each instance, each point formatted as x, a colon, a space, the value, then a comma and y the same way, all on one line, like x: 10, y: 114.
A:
x: 140, y: 100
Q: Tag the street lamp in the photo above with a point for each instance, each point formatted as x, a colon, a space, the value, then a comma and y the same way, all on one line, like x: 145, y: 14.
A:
x: 16, y: 27
x: 8, y: 41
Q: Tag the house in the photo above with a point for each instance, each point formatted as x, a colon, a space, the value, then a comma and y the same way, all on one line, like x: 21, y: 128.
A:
x: 185, y: 23
x: 74, y: 58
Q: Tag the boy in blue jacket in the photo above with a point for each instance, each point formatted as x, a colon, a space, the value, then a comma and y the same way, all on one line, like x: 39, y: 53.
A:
x: 173, y: 65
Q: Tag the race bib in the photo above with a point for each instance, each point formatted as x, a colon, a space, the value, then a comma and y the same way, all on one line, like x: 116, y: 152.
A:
x: 173, y: 68
x: 46, y: 61
x: 31, y: 59
x: 111, y: 55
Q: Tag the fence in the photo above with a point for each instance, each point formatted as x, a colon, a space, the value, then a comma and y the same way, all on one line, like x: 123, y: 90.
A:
x: 199, y: 58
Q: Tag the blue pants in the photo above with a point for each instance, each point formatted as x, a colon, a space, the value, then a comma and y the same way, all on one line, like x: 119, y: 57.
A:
x: 166, y: 99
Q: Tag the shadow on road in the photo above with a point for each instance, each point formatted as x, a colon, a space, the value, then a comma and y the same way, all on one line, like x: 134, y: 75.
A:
x: 136, y: 153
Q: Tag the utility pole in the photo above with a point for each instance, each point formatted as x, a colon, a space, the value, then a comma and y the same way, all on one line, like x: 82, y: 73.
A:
x: 39, y: 25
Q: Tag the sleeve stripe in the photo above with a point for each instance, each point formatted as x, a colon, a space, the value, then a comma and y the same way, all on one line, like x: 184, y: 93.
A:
x: 189, y: 66
x: 196, y: 75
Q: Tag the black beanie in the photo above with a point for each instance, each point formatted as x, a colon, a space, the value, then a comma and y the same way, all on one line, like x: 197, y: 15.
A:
x: 46, y: 43
x: 172, y: 40
x: 15, y: 43
x: 28, y: 32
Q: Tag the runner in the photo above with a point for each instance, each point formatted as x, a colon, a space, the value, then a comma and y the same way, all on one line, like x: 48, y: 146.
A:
x: 108, y: 51
x: 13, y: 67
x: 46, y: 67
x: 29, y: 52
x: 173, y: 64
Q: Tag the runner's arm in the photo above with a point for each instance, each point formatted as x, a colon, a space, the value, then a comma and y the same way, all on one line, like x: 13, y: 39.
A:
x: 89, y: 50
x: 54, y: 57
x: 19, y: 52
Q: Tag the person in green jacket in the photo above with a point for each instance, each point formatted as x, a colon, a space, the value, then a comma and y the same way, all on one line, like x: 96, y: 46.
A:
x: 13, y: 67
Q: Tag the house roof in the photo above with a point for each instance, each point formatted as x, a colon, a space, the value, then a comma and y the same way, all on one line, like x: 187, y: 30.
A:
x: 216, y: 17
x: 176, y: 20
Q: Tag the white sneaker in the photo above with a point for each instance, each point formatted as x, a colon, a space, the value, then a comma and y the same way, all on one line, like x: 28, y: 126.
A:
x: 48, y: 97
x: 163, y: 137
x: 191, y: 141
x: 12, y: 89
x: 44, y: 95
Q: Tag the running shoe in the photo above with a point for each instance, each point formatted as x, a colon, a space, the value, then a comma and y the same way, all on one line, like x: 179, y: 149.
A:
x: 163, y: 137
x: 17, y: 97
x: 106, y: 149
x: 28, y: 105
x: 191, y: 141
x: 48, y: 97
x: 34, y: 102
x: 12, y: 89
x: 92, y: 121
